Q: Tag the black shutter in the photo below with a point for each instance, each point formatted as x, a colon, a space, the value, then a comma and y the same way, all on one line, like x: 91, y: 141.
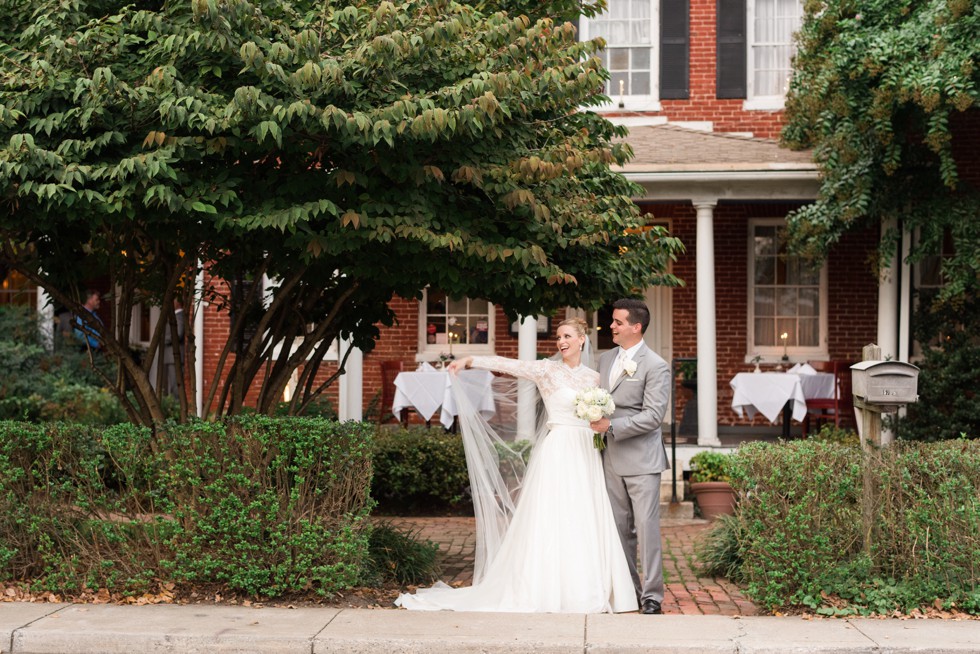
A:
x: 674, y: 49
x: 731, y: 53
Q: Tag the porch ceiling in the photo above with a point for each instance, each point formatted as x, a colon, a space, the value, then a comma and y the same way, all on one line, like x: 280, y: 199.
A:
x: 677, y: 163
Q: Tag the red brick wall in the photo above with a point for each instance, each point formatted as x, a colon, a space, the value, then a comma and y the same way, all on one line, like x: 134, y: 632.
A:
x: 852, y: 292
x: 703, y: 105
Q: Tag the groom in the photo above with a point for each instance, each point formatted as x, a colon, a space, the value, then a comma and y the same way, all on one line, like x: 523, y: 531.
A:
x: 639, y: 381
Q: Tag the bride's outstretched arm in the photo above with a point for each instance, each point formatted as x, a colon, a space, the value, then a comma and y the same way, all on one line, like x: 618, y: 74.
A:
x: 532, y: 370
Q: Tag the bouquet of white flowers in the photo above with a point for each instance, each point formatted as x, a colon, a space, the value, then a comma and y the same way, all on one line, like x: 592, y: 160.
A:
x: 593, y: 404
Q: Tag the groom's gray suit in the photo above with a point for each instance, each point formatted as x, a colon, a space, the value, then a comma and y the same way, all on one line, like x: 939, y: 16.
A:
x: 633, y: 460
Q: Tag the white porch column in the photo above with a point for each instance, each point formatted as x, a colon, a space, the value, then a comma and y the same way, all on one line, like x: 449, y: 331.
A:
x: 888, y: 286
x: 45, y: 314
x: 351, y: 384
x: 527, y: 350
x: 199, y: 304
x: 707, y: 342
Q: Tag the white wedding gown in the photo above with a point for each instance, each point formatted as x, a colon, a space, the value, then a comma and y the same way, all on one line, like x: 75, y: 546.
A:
x: 561, y: 552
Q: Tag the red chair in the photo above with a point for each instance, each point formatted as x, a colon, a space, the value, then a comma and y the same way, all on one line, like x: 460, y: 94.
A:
x: 838, y: 408
x: 390, y: 370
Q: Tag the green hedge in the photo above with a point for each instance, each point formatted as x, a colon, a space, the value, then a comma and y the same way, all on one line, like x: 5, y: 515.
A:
x: 800, y: 539
x: 419, y: 470
x: 262, y: 505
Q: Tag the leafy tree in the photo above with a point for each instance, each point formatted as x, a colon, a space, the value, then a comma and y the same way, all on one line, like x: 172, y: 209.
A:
x: 347, y: 151
x: 886, y: 93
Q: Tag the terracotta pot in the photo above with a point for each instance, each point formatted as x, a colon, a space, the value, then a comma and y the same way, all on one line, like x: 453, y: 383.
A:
x: 714, y: 498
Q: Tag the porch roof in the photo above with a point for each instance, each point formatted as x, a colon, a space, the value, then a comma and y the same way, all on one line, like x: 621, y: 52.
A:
x: 673, y: 149
x: 673, y: 163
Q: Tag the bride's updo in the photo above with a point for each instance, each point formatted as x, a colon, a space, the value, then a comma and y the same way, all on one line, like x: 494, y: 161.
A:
x: 579, y: 325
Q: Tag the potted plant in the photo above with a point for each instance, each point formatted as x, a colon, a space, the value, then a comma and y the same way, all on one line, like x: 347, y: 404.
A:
x: 710, y: 475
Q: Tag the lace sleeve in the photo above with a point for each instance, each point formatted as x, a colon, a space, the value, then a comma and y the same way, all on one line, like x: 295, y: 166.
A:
x: 532, y: 370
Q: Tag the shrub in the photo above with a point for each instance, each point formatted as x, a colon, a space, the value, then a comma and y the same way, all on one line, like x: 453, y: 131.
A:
x: 800, y: 535
x: 419, y: 470
x: 38, y: 384
x: 262, y: 505
x: 709, y: 465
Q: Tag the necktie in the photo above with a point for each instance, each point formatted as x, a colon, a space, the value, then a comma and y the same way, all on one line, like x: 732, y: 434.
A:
x: 617, y: 367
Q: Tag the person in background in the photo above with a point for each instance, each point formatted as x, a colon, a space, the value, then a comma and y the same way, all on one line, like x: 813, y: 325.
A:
x: 88, y: 331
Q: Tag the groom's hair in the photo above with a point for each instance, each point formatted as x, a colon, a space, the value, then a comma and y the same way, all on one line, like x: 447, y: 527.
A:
x: 637, y: 312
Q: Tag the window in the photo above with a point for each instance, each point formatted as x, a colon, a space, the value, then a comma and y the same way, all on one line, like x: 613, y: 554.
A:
x: 772, y: 26
x: 628, y: 27
x: 457, y: 325
x: 18, y: 290
x: 787, y: 297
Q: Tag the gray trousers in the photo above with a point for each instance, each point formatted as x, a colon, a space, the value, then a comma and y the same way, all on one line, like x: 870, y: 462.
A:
x: 636, y: 508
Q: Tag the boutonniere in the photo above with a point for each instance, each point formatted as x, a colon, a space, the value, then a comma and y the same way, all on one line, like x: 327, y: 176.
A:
x: 629, y: 367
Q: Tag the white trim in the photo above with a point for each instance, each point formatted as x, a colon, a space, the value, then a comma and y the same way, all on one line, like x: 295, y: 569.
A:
x: 775, y: 353
x: 765, y: 103
x: 637, y: 121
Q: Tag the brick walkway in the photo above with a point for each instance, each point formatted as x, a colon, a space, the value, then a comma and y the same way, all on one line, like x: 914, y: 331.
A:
x: 686, y: 592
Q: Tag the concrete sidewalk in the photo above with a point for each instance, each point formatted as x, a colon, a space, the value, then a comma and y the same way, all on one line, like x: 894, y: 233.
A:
x: 192, y: 629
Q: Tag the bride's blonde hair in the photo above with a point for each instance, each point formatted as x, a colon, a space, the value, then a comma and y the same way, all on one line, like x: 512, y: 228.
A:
x: 579, y: 325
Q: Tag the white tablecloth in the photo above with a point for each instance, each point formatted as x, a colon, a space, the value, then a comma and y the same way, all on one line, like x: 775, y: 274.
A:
x: 427, y: 391
x: 768, y: 392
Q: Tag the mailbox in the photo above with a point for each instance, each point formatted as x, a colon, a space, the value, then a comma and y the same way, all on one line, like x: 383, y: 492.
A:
x: 888, y: 383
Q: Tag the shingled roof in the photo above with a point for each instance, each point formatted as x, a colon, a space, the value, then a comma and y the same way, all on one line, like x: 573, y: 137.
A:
x: 670, y: 148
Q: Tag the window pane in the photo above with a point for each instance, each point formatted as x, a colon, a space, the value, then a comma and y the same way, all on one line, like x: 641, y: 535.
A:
x: 765, y: 272
x: 786, y: 302
x: 457, y: 305
x: 809, y: 332
x: 786, y: 326
x: 765, y: 302
x: 619, y: 59
x: 809, y: 302
x: 640, y: 84
x: 478, y: 306
x: 436, y: 302
x: 641, y: 58
x: 765, y: 332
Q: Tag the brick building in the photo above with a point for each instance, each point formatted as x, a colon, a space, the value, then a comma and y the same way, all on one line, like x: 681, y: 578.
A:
x: 700, y: 84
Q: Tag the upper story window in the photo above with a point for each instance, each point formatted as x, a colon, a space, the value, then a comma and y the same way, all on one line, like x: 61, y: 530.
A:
x: 787, y: 297
x: 755, y: 50
x: 456, y: 325
x: 773, y: 24
x: 629, y: 29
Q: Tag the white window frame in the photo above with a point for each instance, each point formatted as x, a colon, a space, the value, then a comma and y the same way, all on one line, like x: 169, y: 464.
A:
x: 647, y: 102
x: 753, y: 101
x: 432, y: 351
x: 772, y: 354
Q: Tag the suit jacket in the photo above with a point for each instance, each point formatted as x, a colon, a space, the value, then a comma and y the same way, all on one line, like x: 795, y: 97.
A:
x: 636, y: 446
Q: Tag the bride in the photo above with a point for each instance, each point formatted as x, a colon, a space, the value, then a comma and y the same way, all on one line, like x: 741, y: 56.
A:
x: 560, y: 551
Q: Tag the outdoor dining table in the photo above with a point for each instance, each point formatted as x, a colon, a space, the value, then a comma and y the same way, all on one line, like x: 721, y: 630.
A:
x: 775, y: 393
x: 427, y: 391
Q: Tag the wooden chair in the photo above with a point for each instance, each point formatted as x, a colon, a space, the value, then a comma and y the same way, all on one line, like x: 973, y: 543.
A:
x: 838, y: 408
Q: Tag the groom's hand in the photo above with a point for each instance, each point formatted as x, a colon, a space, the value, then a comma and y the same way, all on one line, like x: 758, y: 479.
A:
x: 601, y: 426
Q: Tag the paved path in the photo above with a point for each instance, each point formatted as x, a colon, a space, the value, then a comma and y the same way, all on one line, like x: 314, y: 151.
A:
x: 686, y: 592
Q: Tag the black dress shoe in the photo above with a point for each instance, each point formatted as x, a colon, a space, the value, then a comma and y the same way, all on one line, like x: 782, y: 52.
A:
x: 650, y: 607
